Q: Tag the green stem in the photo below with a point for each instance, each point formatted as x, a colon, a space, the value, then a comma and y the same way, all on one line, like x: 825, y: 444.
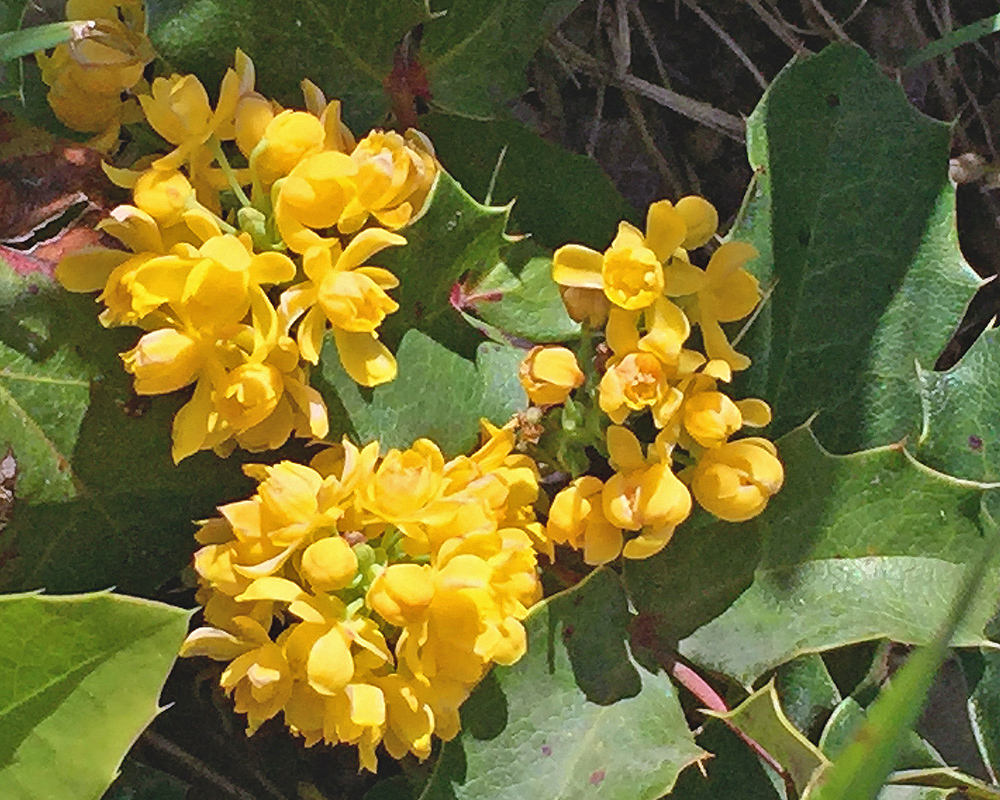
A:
x: 216, y: 147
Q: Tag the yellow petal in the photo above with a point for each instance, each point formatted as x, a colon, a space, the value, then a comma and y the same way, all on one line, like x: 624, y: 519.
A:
x: 330, y: 666
x: 579, y: 266
x: 602, y: 543
x: 756, y: 413
x: 621, y: 332
x: 364, y: 357
x: 367, y: 704
x: 272, y: 588
x: 365, y: 245
x: 647, y: 544
x: 665, y: 229
x: 624, y: 450
x: 680, y: 278
x: 700, y: 218
x: 718, y: 346
x: 214, y: 643
x: 89, y: 270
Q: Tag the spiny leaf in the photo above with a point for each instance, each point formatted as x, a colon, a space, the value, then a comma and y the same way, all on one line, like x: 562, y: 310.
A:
x: 344, y: 46
x: 892, y: 537
x: 469, y: 73
x: 437, y: 394
x: 575, y: 717
x: 854, y: 217
x: 79, y: 680
x: 456, y: 239
x: 760, y: 717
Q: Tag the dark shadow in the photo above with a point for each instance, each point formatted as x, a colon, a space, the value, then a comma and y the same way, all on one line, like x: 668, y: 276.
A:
x: 593, y: 627
x: 484, y: 714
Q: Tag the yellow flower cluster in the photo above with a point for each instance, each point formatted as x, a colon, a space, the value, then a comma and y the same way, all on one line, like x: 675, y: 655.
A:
x: 237, y: 291
x: 88, y: 77
x: 364, y: 597
x: 647, y: 294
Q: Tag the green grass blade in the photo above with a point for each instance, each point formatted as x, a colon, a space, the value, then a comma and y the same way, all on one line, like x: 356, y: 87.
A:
x: 15, y: 44
x: 964, y: 35
x: 861, y: 769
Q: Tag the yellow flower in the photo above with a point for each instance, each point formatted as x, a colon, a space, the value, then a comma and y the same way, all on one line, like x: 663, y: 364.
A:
x: 179, y: 110
x: 576, y: 518
x: 404, y: 484
x: 736, y: 480
x: 402, y: 593
x: 724, y: 292
x: 258, y: 676
x: 643, y: 494
x: 410, y: 720
x: 549, y: 374
x: 630, y: 272
x: 584, y: 305
x: 288, y: 138
x: 284, y: 559
x: 640, y: 373
x: 164, y: 360
x: 313, y: 196
x: 87, y: 76
x: 394, y: 177
x: 711, y: 418
x: 163, y: 194
x: 343, y: 292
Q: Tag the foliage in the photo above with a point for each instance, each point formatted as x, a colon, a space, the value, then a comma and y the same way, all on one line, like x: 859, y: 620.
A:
x: 878, y: 532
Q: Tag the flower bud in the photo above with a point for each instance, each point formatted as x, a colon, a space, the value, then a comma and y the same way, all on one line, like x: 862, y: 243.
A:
x: 402, y: 593
x: 163, y: 361
x: 549, y: 374
x: 736, y: 480
x: 329, y: 564
x: 711, y: 418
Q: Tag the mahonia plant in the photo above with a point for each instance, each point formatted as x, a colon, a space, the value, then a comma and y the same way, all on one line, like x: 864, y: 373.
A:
x: 364, y: 595
x: 645, y: 292
x: 237, y: 300
x: 394, y: 583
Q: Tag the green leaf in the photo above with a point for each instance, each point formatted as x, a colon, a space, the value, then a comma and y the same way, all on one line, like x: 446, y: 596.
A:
x: 99, y: 500
x: 982, y: 674
x: 11, y: 14
x: 956, y: 38
x: 854, y: 217
x: 79, y: 680
x: 524, y: 303
x: 862, y: 767
x: 477, y: 51
x: 807, y: 692
x: 892, y: 537
x: 575, y: 717
x: 891, y: 792
x: 760, y: 717
x: 344, y: 46
x: 946, y: 778
x: 456, y: 239
x: 559, y: 196
x: 437, y: 394
x: 15, y: 44
x: 961, y: 407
